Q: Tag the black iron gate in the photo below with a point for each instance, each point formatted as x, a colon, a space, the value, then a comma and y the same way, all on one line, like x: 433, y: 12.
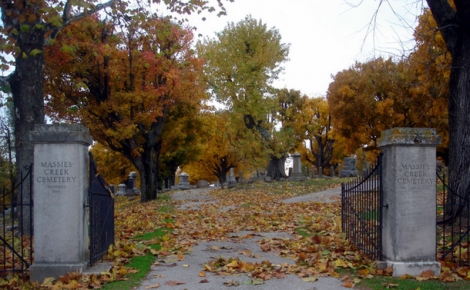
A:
x: 16, y: 222
x: 361, y: 213
x: 101, y: 204
x: 453, y: 223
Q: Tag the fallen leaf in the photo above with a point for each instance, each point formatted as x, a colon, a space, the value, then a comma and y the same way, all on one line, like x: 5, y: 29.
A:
x: 231, y: 283
x: 180, y: 257
x: 174, y: 283
x: 427, y: 274
x: 348, y: 284
x: 153, y: 286
x: 233, y: 264
x: 310, y: 279
x: 363, y: 272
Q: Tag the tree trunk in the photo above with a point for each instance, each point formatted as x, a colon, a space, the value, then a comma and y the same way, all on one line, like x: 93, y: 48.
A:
x: 222, y: 168
x: 27, y: 87
x: 459, y: 125
x: 454, y: 25
x: 145, y: 165
x: 222, y: 179
x: 276, y: 168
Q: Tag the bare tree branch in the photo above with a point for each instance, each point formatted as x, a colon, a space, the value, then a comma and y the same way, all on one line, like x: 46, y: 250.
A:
x: 68, y: 18
x: 4, y: 81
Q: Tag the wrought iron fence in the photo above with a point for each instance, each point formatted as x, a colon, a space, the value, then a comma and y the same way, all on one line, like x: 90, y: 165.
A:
x: 361, y: 213
x: 101, y: 204
x: 16, y: 219
x: 453, y: 223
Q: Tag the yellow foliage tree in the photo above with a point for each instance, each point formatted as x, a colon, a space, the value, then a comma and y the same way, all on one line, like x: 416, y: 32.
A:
x: 221, y: 149
x: 314, y: 129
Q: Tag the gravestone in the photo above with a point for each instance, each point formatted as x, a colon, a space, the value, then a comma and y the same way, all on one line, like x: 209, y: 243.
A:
x: 409, y: 194
x: 184, y: 181
x: 231, y: 178
x: 297, y: 170
x: 241, y: 178
x: 349, y: 167
x: 202, y: 183
x: 131, y: 182
x: 60, y: 195
x: 332, y: 171
x: 339, y: 169
x: 121, y: 189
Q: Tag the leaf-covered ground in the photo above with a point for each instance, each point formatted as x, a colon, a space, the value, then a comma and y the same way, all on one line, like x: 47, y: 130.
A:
x: 318, y: 246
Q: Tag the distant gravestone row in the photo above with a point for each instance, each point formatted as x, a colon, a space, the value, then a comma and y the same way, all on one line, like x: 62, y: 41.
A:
x: 128, y: 187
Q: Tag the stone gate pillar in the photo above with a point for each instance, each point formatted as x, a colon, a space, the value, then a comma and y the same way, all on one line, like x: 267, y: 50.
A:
x: 409, y: 187
x: 60, y: 195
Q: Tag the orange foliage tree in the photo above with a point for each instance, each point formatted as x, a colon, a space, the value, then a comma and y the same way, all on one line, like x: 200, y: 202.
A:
x: 371, y: 97
x: 124, y: 85
x: 27, y: 27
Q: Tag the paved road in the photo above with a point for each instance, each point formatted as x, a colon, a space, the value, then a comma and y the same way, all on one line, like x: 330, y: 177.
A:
x: 165, y: 273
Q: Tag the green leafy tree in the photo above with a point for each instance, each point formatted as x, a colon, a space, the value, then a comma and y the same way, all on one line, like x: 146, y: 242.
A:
x: 241, y: 64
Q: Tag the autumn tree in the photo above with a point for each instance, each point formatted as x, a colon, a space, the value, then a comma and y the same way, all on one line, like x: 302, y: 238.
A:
x: 112, y: 165
x: 220, y: 150
x: 28, y: 26
x: 315, y: 131
x: 371, y: 97
x: 430, y: 64
x: 123, y: 85
x: 241, y: 64
x: 181, y: 139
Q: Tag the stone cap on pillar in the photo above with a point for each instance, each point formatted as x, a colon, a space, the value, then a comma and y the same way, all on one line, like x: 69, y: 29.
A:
x: 409, y: 136
x: 60, y: 133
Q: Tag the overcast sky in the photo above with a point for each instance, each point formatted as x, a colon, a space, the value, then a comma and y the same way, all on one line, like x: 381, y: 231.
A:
x: 325, y: 36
